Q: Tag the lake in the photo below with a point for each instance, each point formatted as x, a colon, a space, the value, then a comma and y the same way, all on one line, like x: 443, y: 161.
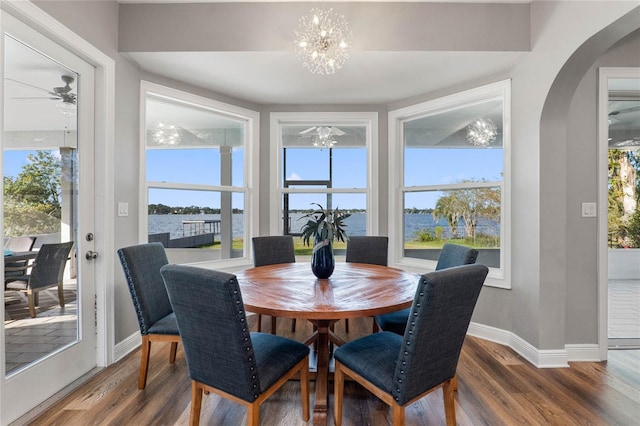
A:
x: 355, y: 224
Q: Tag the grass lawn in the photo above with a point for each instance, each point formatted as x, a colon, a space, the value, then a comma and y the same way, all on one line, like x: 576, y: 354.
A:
x: 302, y: 250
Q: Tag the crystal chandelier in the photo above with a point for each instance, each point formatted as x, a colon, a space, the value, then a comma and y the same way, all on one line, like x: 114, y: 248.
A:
x: 482, y: 132
x: 322, y: 41
x: 166, y: 134
x: 322, y: 138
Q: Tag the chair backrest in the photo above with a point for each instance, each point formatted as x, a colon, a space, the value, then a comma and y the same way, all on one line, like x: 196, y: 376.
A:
x: 49, y: 264
x: 369, y: 249
x: 436, y: 329
x: 456, y: 255
x: 22, y: 243
x: 141, y: 265
x: 273, y: 249
x: 213, y: 327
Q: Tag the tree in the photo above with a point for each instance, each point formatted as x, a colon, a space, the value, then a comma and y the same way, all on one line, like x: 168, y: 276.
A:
x: 449, y: 207
x: 32, y: 199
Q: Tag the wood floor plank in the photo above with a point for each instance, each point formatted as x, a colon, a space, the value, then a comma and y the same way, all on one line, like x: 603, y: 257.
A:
x: 496, y: 387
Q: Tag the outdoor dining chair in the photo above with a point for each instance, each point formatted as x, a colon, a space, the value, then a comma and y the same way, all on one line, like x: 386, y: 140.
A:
x: 271, y: 250
x: 13, y: 245
x: 223, y: 356
x: 141, y: 265
x: 47, y: 270
x: 402, y: 369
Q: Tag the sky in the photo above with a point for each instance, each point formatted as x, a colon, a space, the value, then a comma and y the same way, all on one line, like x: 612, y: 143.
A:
x: 422, y: 167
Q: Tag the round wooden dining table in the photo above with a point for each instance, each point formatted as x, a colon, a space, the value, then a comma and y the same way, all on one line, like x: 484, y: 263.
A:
x: 353, y: 290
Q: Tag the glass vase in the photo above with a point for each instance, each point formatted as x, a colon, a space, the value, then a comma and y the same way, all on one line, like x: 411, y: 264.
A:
x: 322, y: 261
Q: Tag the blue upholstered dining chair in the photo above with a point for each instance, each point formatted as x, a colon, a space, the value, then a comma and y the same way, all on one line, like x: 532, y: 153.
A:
x: 223, y: 356
x: 451, y: 255
x: 402, y: 369
x: 271, y: 250
x: 141, y: 265
x: 367, y: 249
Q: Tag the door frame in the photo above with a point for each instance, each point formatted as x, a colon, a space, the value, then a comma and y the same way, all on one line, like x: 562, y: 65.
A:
x: 104, y: 110
x: 604, y: 74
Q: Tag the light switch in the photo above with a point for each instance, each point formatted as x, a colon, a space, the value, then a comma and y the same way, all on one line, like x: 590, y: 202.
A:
x: 123, y: 209
x: 589, y: 210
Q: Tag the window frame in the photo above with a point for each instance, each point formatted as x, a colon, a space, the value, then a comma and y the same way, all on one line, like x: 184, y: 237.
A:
x: 365, y: 119
x: 498, y: 277
x: 250, y: 187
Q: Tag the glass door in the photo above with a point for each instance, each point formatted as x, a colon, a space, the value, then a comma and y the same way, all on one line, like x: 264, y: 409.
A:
x: 623, y: 213
x: 48, y: 162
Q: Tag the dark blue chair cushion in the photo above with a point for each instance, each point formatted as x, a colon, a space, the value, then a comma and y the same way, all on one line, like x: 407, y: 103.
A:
x: 373, y: 357
x: 275, y: 355
x: 166, y: 325
x: 394, y: 322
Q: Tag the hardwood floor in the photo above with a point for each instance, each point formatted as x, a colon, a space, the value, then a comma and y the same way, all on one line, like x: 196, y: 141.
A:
x: 496, y: 387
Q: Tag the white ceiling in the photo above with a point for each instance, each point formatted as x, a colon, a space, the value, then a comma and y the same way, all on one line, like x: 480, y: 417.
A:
x: 367, y: 77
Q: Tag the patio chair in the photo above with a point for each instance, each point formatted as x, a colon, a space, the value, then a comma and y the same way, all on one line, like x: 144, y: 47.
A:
x: 17, y: 244
x: 47, y: 270
x: 271, y: 250
x: 402, y: 369
x: 223, y: 356
x: 141, y: 265
x: 451, y: 255
x: 367, y: 249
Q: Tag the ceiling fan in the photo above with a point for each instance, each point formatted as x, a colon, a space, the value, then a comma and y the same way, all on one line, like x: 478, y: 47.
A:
x: 625, y: 110
x: 60, y: 93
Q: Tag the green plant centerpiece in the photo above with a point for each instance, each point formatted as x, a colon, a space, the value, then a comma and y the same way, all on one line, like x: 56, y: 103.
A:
x: 324, y: 225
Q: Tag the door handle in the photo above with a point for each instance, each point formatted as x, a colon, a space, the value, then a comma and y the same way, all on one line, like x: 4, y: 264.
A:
x: 91, y: 255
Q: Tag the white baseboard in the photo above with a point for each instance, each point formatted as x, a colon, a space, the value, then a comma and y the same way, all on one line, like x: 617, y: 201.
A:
x: 547, y: 358
x: 583, y: 353
x: 126, y: 346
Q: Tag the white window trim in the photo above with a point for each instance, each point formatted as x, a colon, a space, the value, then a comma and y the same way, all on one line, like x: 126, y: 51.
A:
x: 498, y: 277
x: 367, y: 119
x: 252, y: 154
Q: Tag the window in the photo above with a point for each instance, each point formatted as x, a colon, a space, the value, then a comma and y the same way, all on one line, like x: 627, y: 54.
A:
x: 309, y: 173
x: 197, y: 172
x: 451, y: 176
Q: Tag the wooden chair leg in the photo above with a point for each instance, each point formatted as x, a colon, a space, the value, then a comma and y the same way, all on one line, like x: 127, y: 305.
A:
x: 172, y: 352
x: 338, y: 393
x: 196, y: 404
x: 32, y: 296
x: 259, y: 323
x: 61, y: 295
x: 273, y: 325
x: 449, y: 403
x: 144, y: 362
x: 293, y: 325
x: 454, y: 383
x: 253, y: 414
x: 398, y: 415
x: 304, y: 390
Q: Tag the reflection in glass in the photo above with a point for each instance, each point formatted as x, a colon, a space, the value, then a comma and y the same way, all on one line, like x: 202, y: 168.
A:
x: 40, y: 188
